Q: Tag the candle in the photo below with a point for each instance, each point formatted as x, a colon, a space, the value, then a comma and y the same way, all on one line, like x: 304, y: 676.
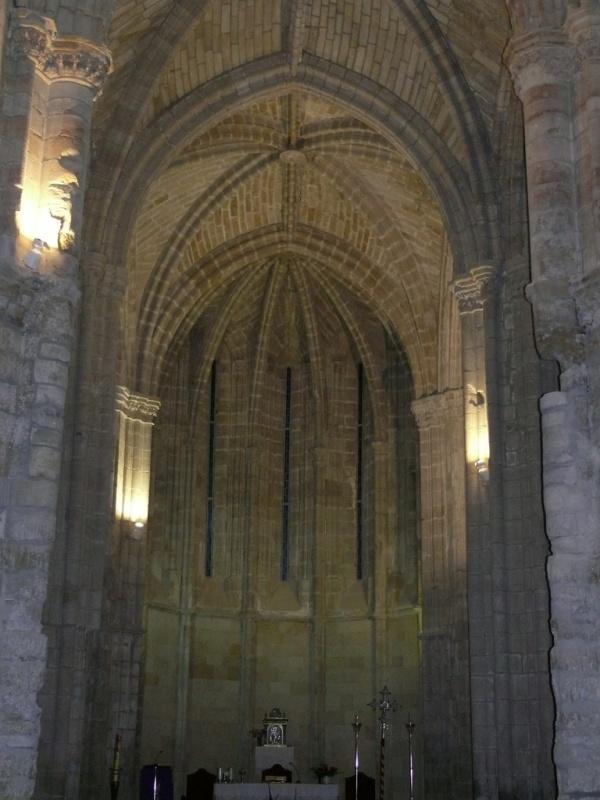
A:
x: 117, y: 754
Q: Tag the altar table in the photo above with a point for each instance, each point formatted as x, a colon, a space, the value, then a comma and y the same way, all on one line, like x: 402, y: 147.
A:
x: 276, y: 791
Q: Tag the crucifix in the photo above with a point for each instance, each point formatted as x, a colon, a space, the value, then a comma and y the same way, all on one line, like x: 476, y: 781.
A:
x: 385, y: 705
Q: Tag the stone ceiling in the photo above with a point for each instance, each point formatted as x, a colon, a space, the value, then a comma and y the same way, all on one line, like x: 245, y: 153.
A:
x: 351, y: 137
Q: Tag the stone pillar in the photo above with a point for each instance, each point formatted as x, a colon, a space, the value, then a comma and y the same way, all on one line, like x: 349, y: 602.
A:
x: 318, y: 572
x: 40, y: 296
x: 486, y: 587
x: 446, y: 724
x: 381, y: 547
x: 250, y: 591
x: 74, y: 609
x: 29, y: 35
x: 37, y: 322
x: 583, y: 28
x: 116, y: 696
x: 542, y: 65
x: 556, y: 76
x: 69, y: 71
x: 571, y: 500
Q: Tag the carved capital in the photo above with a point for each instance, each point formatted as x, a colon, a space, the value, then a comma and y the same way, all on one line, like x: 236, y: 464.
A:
x: 470, y: 292
x: 70, y: 58
x: 31, y: 34
x: 78, y: 60
x: 437, y: 409
x: 540, y: 58
x: 137, y: 406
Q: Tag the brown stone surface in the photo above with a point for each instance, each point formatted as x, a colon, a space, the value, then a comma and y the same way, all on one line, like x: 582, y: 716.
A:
x: 309, y: 185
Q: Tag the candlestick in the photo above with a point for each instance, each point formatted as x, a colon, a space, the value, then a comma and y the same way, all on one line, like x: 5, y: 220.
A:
x: 155, y: 784
x: 356, y: 726
x: 410, y: 727
x: 115, y: 772
x: 385, y: 705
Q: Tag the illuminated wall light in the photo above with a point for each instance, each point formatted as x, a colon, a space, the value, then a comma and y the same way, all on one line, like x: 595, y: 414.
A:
x: 33, y: 258
x: 134, y: 447
x: 137, y: 529
x: 478, y: 442
x: 34, y: 220
x: 481, y: 466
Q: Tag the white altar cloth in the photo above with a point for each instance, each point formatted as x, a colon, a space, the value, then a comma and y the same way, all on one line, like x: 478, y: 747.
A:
x: 276, y: 791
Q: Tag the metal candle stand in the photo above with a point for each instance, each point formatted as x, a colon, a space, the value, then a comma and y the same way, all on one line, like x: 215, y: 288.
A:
x: 385, y: 705
x: 356, y: 726
x: 115, y: 770
x: 410, y: 727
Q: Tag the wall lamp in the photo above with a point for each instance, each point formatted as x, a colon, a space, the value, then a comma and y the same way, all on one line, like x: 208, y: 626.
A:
x: 138, y: 526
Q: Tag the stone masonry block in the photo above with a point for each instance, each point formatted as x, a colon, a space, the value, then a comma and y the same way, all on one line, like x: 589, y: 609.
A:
x: 48, y: 437
x: 31, y: 524
x: 39, y: 493
x: 54, y: 351
x: 44, y: 462
x: 8, y: 397
x: 54, y: 373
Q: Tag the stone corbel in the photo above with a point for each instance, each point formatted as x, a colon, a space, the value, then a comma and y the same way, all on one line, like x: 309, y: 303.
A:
x: 437, y: 409
x: 557, y: 332
x: 471, y: 291
x: 137, y: 406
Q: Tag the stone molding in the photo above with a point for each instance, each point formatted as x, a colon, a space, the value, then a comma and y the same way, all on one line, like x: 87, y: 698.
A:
x: 583, y: 25
x: 526, y: 15
x: 470, y: 292
x: 587, y: 300
x: 97, y: 277
x: 65, y: 58
x: 137, y: 407
x: 540, y: 58
x: 437, y: 409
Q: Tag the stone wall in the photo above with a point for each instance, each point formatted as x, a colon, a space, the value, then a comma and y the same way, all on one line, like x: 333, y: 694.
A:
x: 37, y: 326
x: 221, y: 650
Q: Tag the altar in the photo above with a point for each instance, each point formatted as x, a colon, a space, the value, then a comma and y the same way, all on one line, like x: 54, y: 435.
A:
x: 276, y: 791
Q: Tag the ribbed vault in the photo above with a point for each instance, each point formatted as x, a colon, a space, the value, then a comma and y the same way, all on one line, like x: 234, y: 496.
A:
x: 290, y: 175
x: 408, y: 73
x: 286, y: 312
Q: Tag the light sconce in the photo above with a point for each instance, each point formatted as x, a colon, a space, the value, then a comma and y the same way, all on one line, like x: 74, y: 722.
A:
x: 481, y: 465
x: 33, y: 258
x: 478, y: 399
x: 138, y: 527
x: 477, y: 433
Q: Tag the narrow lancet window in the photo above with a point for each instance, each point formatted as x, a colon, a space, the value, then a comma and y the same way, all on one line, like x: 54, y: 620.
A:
x: 359, y: 471
x: 210, y: 498
x: 285, y: 533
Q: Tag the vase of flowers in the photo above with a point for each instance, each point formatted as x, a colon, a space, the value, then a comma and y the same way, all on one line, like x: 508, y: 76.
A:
x: 324, y: 772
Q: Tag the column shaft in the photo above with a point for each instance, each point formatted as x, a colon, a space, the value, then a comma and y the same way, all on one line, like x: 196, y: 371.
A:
x: 557, y: 77
x: 447, y: 740
x: 48, y: 100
